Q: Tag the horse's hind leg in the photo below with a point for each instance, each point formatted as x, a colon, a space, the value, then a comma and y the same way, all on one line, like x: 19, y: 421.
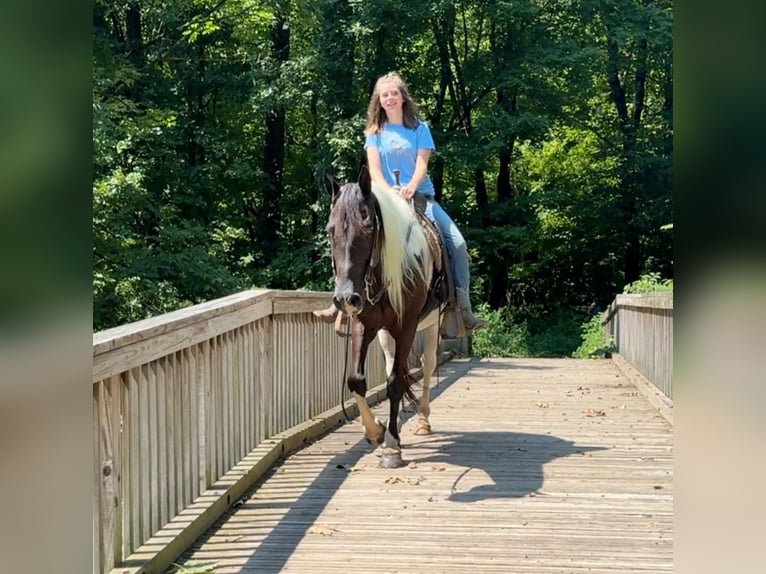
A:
x: 428, y: 363
x: 388, y: 344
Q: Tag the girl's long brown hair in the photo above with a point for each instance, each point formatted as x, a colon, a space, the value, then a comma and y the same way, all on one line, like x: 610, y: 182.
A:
x: 376, y: 115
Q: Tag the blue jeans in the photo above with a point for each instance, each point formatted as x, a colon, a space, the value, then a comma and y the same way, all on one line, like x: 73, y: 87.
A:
x: 457, y: 251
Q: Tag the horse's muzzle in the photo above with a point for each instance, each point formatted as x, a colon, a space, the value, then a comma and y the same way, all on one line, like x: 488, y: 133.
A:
x: 350, y: 304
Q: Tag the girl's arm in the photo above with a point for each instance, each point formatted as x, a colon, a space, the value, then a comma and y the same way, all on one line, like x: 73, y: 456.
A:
x: 373, y: 164
x: 421, y: 168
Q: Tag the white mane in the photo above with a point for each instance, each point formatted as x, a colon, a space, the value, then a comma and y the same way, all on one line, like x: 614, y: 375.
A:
x: 403, y: 264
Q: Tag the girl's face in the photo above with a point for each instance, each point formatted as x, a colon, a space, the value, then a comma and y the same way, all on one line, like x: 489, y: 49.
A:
x: 390, y: 96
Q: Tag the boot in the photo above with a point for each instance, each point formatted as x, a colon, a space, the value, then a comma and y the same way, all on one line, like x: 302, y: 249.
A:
x: 470, y: 321
x: 327, y: 315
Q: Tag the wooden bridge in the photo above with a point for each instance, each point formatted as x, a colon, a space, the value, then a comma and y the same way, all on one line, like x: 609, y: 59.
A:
x: 220, y: 446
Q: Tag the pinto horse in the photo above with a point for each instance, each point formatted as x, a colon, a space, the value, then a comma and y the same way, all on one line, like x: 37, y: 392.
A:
x: 383, y: 277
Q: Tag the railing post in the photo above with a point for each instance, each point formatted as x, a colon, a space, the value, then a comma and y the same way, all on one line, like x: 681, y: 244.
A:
x: 266, y: 344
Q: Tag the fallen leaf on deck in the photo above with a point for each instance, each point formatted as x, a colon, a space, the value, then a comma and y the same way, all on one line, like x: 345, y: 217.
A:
x: 196, y: 567
x: 439, y: 468
x: 594, y: 413
x: 393, y: 480
x: 322, y: 529
x: 542, y: 404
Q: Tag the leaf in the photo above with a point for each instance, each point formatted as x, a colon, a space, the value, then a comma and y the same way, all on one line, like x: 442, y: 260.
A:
x: 322, y: 529
x: 195, y: 568
x: 590, y: 412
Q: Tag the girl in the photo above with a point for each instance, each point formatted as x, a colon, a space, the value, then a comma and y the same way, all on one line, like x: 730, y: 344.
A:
x: 397, y: 140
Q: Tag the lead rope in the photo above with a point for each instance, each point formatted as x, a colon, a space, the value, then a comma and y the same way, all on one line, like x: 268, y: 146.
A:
x: 345, y: 371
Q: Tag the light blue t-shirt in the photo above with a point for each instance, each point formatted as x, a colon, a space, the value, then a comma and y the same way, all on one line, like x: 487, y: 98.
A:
x: 398, y: 148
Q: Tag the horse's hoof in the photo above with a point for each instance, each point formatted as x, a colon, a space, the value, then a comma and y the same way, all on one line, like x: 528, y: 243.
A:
x: 391, y: 458
x: 422, y: 428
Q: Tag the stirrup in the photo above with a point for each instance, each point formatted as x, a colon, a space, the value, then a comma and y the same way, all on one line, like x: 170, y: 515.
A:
x: 339, y: 325
x: 453, y: 327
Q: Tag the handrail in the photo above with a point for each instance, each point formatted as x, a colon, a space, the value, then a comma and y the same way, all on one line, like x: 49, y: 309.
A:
x: 190, y: 406
x: 641, y: 327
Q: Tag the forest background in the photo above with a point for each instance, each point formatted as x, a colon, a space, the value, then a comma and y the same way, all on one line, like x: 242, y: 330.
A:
x: 214, y: 121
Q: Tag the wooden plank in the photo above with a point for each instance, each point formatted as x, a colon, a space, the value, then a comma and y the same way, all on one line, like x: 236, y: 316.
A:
x: 107, y: 340
x: 134, y: 498
x: 507, y: 484
x: 152, y: 460
x: 126, y: 465
x: 145, y: 486
x: 100, y: 523
x: 143, y: 351
x: 649, y: 301
x: 194, y: 380
x: 178, y: 439
x: 170, y: 430
x: 163, y: 479
x: 226, y: 402
x: 186, y: 388
x: 301, y: 303
x: 255, y: 353
x: 203, y: 390
x: 266, y: 373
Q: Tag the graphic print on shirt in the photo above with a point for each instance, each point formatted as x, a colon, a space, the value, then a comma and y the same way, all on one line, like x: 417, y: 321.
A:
x: 394, y: 143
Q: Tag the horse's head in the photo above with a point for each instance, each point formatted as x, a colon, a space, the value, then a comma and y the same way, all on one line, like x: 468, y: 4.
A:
x: 354, y: 233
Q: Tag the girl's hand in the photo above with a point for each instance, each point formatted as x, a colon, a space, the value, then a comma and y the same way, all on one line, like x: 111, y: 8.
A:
x: 407, y: 191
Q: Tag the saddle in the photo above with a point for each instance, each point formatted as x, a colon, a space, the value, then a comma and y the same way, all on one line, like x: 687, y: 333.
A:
x: 442, y: 288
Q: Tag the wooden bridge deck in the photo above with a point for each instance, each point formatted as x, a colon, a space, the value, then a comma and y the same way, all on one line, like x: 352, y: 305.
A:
x: 535, y: 465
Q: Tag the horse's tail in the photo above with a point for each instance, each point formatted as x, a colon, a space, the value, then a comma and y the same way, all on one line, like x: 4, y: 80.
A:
x: 409, y: 381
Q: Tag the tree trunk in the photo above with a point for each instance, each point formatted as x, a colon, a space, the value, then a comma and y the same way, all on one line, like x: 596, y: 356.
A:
x: 443, y: 30
x: 133, y: 28
x: 480, y: 189
x: 274, y: 145
x: 629, y: 125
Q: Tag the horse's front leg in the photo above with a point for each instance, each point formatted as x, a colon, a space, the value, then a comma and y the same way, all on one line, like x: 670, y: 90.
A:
x: 357, y: 382
x: 397, y: 384
x: 428, y: 363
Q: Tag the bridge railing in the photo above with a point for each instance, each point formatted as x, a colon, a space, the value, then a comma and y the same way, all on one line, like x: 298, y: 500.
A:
x: 180, y: 400
x: 641, y: 326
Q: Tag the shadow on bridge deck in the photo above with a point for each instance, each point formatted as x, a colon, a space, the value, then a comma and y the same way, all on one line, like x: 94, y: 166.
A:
x: 472, y: 487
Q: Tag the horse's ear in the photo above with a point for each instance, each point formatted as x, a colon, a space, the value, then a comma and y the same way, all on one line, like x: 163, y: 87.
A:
x: 331, y: 185
x: 365, y: 183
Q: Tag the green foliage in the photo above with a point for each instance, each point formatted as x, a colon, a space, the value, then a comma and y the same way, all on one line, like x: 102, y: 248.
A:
x: 213, y: 123
x: 501, y: 337
x: 595, y: 343
x: 513, y: 335
x: 649, y: 283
